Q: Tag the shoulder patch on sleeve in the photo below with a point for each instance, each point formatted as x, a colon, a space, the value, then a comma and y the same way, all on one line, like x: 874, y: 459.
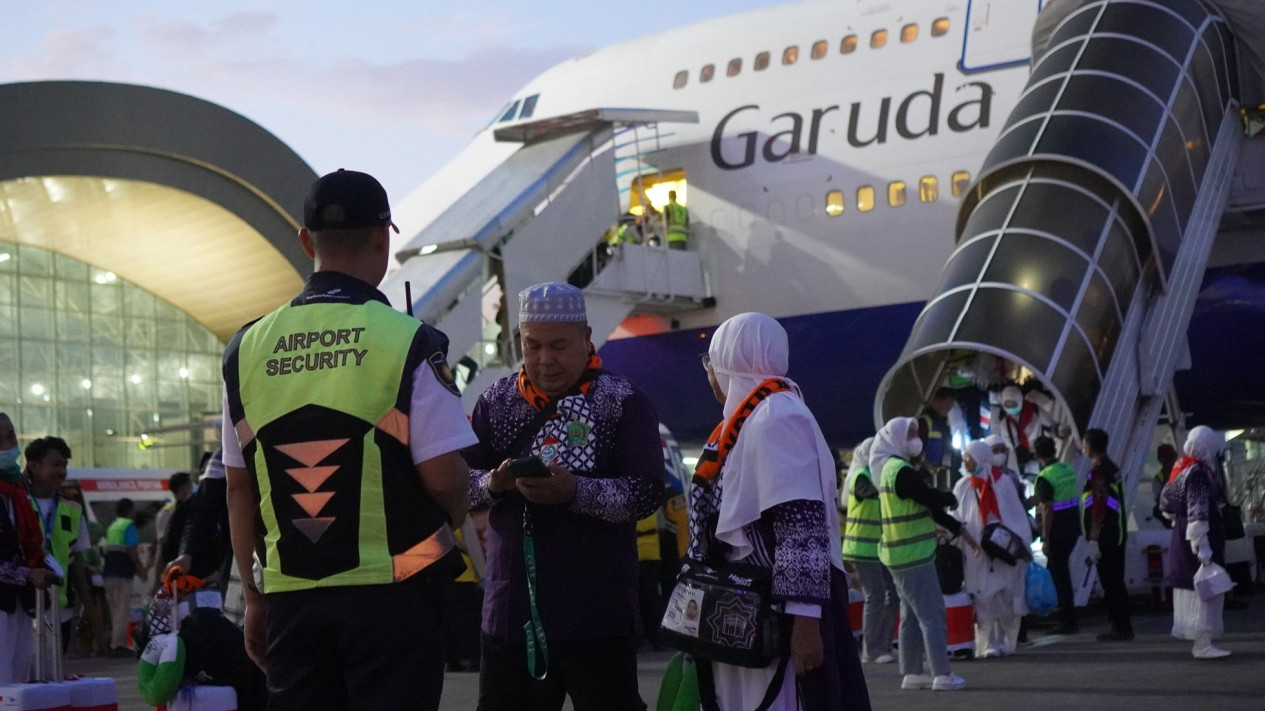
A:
x: 443, y: 373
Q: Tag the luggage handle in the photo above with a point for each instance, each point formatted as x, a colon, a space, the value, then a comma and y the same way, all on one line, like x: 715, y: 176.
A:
x: 48, y: 622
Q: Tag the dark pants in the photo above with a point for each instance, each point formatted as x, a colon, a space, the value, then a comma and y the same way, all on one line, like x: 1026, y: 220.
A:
x: 1111, y: 575
x: 1060, y: 553
x: 357, y: 647
x: 464, y: 619
x: 598, y: 675
x: 649, y: 600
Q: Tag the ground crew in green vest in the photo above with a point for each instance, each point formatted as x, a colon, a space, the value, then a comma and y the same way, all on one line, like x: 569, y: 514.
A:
x: 1103, y: 524
x: 911, y: 510
x: 862, y: 531
x: 1059, y: 506
x: 678, y: 218
x: 65, y: 532
x: 122, y: 565
x: 341, y: 440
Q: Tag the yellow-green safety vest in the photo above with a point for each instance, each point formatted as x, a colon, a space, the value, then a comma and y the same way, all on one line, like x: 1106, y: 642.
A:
x: 1062, y: 479
x: 323, y: 390
x: 60, y: 533
x: 909, y: 533
x: 678, y: 222
x: 1115, y: 508
x: 864, y: 527
x: 648, y: 538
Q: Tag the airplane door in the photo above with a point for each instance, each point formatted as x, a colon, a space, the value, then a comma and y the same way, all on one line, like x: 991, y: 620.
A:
x: 998, y: 34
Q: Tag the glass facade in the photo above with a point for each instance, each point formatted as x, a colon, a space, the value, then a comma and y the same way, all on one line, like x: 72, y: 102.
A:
x: 103, y: 364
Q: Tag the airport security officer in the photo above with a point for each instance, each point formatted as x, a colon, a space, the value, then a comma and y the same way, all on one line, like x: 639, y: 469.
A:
x: 61, y: 519
x: 1103, y: 521
x: 342, y: 427
x: 678, y: 218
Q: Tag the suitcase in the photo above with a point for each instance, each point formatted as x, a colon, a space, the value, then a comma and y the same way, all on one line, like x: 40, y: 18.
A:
x: 959, y: 616
x: 47, y: 692
x: 856, y: 612
x: 93, y: 694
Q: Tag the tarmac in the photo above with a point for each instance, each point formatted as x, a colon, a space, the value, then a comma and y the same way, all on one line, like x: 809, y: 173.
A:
x: 1154, y: 672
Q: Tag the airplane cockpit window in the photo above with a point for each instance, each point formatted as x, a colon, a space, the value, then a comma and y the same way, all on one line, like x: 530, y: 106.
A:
x: 896, y: 193
x: 706, y: 73
x: 834, y: 203
x: 940, y: 27
x: 865, y: 198
x: 761, y: 62
x: 928, y: 189
x: 819, y: 49
x: 790, y: 54
x: 529, y: 106
x: 960, y: 181
x: 510, y: 113
x: 679, y: 80
x: 878, y: 40
x: 735, y: 66
x: 848, y: 45
x: 908, y: 33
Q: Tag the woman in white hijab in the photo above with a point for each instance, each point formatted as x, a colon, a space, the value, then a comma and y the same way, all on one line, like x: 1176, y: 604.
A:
x: 987, y: 495
x: 771, y: 502
x: 1193, y: 498
x: 912, y: 510
x: 861, y: 534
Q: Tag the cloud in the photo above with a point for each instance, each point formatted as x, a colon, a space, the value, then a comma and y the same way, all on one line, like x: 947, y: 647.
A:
x: 176, y: 38
x: 64, y: 53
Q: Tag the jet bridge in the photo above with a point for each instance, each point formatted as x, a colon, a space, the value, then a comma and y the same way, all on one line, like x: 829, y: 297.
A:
x: 1082, y: 245
x: 540, y: 216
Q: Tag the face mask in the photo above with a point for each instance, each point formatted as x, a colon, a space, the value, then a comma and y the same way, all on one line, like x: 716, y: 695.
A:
x: 1014, y: 411
x: 999, y: 459
x: 9, y: 464
x: 915, y: 448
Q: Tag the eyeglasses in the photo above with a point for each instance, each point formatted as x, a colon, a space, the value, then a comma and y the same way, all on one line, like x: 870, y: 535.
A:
x: 706, y: 359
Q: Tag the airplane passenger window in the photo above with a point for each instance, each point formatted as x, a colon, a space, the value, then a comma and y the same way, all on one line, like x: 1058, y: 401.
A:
x: 896, y: 193
x: 960, y: 182
x: 940, y: 27
x: 761, y: 62
x: 680, y: 79
x: 529, y: 106
x: 878, y: 40
x: 834, y: 203
x: 819, y: 49
x: 509, y: 114
x: 706, y: 73
x: 865, y: 198
x: 848, y: 45
x: 908, y: 33
x: 735, y: 66
x: 928, y: 190
x: 790, y: 54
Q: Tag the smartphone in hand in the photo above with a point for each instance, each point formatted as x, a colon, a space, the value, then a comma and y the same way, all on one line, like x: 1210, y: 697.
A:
x: 530, y: 467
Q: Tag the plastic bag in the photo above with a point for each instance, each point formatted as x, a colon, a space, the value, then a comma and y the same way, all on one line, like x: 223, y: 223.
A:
x: 1211, y: 580
x: 1040, y: 593
x: 679, y: 690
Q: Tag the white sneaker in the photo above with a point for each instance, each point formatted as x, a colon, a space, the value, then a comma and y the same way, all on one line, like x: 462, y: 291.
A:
x: 884, y: 659
x: 991, y: 654
x: 917, y: 681
x: 1005, y: 651
x: 948, y: 682
x: 1210, y: 652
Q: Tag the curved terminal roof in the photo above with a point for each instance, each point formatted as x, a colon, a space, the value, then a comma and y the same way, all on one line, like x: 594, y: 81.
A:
x: 179, y: 196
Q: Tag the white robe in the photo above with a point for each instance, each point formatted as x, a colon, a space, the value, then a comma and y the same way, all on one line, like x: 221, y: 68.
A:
x: 996, y: 589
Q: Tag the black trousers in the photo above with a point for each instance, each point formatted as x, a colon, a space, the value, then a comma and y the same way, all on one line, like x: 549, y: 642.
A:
x: 1111, y: 575
x: 649, y: 600
x: 357, y: 647
x: 598, y: 675
x: 1060, y: 571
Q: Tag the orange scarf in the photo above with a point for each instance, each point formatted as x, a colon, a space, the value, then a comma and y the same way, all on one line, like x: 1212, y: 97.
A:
x: 539, y: 400
x: 725, y: 435
x: 27, y: 523
x: 986, y: 495
x: 1182, y: 465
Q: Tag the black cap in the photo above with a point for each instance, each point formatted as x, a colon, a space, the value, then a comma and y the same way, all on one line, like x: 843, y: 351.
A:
x: 344, y: 200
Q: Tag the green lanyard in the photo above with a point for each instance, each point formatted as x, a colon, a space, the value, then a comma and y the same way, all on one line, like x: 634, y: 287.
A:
x: 534, y: 630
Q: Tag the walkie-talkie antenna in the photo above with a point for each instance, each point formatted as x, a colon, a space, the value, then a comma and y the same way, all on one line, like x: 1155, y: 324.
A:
x: 408, y: 298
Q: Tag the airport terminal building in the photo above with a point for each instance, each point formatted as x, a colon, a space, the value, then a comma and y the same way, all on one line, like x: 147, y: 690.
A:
x: 139, y: 229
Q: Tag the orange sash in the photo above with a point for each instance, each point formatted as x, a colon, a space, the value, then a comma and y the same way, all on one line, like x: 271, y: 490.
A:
x: 539, y: 400
x: 725, y: 435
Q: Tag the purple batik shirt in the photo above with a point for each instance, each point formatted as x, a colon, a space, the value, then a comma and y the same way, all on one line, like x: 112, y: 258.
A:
x: 586, y: 552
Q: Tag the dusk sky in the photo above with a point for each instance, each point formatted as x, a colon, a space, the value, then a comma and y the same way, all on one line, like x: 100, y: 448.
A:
x: 392, y: 88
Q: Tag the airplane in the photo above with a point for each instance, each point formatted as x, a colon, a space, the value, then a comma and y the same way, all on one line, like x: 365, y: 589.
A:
x: 824, y: 150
